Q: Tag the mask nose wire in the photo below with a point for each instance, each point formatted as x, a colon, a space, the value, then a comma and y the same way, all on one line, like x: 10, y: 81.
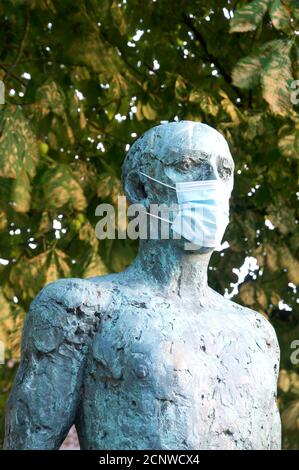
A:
x: 217, y: 178
x: 157, y: 181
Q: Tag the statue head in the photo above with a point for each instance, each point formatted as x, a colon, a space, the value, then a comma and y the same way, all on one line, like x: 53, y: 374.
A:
x: 173, y: 153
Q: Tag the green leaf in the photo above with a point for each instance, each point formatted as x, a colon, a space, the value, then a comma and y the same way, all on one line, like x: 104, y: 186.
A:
x: 30, y: 275
x: 247, y: 293
x: 94, y: 265
x: 11, y: 320
x: 181, y: 89
x: 246, y: 73
x: 50, y: 98
x: 109, y: 186
x: 121, y: 255
x: 276, y: 77
x: 58, y: 266
x: 290, y: 263
x: 84, y: 45
x: 149, y: 113
x: 119, y: 17
x: 21, y: 193
x: 294, y: 5
x: 249, y: 16
x: 206, y: 102
x: 60, y: 188
x: 230, y: 108
x: 19, y: 150
x: 139, y: 115
x: 288, y: 141
x: 280, y: 16
x: 290, y: 416
x: 271, y: 65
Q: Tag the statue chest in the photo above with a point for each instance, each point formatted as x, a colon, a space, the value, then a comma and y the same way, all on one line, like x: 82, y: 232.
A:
x: 184, y: 364
x: 201, y: 376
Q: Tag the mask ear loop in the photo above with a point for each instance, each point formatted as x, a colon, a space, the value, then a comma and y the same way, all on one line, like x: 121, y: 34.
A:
x: 164, y: 184
x: 157, y: 181
x: 156, y: 217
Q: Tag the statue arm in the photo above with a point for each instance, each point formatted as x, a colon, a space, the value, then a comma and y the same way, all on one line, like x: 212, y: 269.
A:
x: 275, y: 438
x: 44, y: 399
x: 275, y: 429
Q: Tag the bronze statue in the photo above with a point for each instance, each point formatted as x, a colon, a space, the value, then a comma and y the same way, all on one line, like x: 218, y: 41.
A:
x: 150, y: 358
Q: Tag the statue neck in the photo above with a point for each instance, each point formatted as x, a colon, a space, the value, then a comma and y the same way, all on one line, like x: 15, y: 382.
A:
x: 171, y: 268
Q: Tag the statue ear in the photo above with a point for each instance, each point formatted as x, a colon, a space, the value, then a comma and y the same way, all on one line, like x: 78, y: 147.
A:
x: 135, y: 189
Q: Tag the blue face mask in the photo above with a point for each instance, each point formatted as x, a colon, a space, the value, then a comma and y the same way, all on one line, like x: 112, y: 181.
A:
x: 203, y: 211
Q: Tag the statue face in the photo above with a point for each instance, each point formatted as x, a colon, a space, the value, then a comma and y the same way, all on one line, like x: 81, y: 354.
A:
x: 176, y: 152
x: 184, y: 151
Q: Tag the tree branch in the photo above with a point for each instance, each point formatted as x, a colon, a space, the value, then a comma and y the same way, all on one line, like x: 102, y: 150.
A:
x: 23, y: 42
x: 101, y: 131
x: 12, y: 75
x: 210, y: 57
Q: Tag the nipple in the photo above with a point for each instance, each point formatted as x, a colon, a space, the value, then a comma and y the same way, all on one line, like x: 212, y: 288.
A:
x: 141, y: 370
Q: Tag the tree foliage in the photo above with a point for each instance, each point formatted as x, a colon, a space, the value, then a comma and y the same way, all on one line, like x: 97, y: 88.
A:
x: 83, y: 79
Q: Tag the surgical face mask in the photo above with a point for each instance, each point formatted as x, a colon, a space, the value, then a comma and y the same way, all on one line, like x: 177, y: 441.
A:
x: 203, y: 211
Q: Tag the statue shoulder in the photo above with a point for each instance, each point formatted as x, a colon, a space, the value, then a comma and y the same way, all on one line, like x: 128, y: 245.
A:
x: 263, y: 329
x: 66, y: 311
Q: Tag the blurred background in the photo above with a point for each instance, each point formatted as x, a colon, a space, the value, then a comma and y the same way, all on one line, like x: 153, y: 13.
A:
x: 83, y: 80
